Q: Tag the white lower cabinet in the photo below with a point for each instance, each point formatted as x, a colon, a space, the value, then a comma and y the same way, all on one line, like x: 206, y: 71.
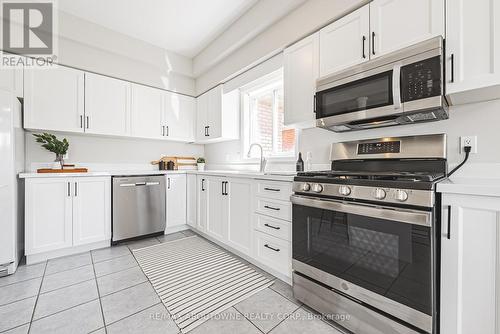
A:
x: 176, y: 200
x: 239, y: 216
x: 201, y: 203
x: 191, y: 195
x: 217, y: 206
x: 470, y: 265
x: 272, y: 252
x: 61, y: 213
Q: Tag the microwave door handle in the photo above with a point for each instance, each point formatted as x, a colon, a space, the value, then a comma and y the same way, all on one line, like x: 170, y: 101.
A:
x: 396, y: 86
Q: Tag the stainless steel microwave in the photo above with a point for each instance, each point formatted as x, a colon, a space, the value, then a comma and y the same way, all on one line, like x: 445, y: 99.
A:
x: 403, y: 87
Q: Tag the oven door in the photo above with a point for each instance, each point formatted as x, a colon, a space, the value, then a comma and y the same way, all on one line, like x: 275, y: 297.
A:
x: 379, y: 256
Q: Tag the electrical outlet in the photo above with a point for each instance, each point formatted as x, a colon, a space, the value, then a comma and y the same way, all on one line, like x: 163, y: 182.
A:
x: 468, y: 141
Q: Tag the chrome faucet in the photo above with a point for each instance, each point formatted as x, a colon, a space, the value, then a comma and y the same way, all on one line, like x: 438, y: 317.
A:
x: 262, y: 159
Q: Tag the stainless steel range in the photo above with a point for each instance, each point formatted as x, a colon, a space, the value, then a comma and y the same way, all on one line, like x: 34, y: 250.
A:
x: 365, y: 233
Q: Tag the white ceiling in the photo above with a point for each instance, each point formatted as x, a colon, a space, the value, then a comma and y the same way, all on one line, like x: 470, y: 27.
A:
x: 181, y: 26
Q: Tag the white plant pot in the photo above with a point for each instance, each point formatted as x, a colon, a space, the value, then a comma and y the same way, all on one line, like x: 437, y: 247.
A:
x: 201, y: 167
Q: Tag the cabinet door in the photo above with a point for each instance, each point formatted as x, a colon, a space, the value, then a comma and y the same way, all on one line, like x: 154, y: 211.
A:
x: 470, y: 265
x: 11, y: 76
x: 201, y: 202
x: 91, y: 209
x: 147, y: 112
x: 176, y: 200
x: 215, y: 222
x: 48, y: 210
x: 301, y: 69
x: 214, y: 113
x: 191, y: 188
x: 179, y: 116
x: 395, y: 24
x: 472, y: 47
x: 201, y: 117
x: 345, y: 42
x: 54, y: 99
x: 239, y: 214
x: 107, y: 105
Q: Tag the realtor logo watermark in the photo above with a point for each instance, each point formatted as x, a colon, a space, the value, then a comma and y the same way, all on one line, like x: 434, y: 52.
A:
x: 28, y: 29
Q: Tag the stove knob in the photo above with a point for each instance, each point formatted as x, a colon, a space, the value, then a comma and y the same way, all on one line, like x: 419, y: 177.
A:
x: 317, y: 188
x: 306, y: 187
x: 379, y: 193
x: 401, y: 195
x: 344, y: 190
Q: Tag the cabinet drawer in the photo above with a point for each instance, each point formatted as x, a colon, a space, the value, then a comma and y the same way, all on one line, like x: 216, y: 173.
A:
x: 273, y: 252
x: 275, y: 227
x: 274, y: 189
x: 274, y: 208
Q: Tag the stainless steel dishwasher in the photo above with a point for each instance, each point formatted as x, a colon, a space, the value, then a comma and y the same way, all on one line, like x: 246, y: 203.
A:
x: 138, y: 206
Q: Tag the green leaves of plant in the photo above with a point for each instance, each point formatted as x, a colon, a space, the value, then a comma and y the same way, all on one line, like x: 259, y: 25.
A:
x: 51, y: 143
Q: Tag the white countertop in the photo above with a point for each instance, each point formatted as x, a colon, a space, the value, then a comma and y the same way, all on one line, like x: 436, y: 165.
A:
x: 470, y: 186
x: 276, y: 176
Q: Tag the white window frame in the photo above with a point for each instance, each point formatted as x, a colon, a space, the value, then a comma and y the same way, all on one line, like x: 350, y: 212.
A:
x: 251, y: 90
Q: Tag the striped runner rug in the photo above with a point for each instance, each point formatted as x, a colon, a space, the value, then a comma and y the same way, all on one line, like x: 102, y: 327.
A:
x: 196, y: 280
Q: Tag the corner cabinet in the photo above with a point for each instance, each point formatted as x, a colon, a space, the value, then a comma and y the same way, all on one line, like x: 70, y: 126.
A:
x: 472, y: 50
x: 62, y: 214
x: 54, y: 99
x: 301, y: 69
x: 217, y: 116
x: 470, y: 264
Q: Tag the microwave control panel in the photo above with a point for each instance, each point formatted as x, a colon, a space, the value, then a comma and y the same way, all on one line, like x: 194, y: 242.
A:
x: 421, y: 80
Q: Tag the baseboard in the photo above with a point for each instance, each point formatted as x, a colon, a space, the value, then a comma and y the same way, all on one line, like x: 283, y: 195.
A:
x: 178, y: 228
x: 40, y: 257
x: 246, y: 257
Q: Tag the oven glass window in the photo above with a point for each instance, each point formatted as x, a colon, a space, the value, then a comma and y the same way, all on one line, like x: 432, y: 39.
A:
x: 389, y: 258
x: 368, y: 93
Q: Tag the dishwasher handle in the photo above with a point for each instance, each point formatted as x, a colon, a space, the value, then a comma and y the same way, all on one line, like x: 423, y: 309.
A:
x: 139, y: 184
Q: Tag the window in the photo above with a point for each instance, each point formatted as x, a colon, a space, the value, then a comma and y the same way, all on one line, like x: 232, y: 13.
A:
x: 263, y: 119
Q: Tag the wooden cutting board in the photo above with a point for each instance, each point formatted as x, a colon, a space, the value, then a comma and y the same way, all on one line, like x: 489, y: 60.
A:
x: 69, y: 170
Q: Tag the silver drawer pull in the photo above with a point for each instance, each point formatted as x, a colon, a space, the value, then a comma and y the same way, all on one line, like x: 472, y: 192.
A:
x: 127, y: 185
x: 272, y: 248
x: 271, y: 208
x: 271, y: 189
x: 271, y: 226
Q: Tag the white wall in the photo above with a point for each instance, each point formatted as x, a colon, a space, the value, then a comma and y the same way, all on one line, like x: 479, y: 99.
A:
x: 91, y: 47
x: 108, y: 151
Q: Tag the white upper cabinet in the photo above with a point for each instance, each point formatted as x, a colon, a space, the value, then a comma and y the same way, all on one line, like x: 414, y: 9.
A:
x: 147, y: 115
x: 472, y: 50
x: 470, y: 265
x: 395, y: 24
x: 218, y: 115
x: 54, y: 99
x: 345, y: 42
x: 179, y: 117
x: 91, y: 210
x: 107, y: 105
x: 11, y: 77
x: 301, y: 69
x: 176, y: 200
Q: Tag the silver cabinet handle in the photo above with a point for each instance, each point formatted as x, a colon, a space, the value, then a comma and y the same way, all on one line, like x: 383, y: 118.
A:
x: 272, y: 248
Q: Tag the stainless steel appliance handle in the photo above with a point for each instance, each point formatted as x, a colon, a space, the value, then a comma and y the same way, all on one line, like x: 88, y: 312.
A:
x: 415, y: 217
x: 154, y: 183
x: 396, y: 86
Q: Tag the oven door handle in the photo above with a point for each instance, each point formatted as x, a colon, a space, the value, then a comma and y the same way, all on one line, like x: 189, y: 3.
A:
x: 415, y: 217
x: 396, y: 86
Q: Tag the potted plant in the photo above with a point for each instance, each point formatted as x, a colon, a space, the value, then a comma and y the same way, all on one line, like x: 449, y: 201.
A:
x: 201, y: 164
x: 54, y: 145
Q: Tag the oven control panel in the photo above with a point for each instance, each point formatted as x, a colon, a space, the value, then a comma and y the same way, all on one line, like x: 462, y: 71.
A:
x: 424, y: 198
x: 381, y: 147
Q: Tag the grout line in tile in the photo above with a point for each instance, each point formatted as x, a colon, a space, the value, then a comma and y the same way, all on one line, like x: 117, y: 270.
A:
x: 247, y: 319
x: 62, y: 271
x: 118, y: 271
x: 18, y: 326
x: 21, y: 281
x: 37, y: 296
x: 296, y: 302
x: 98, y: 295
x: 130, y: 315
x: 285, y: 318
x: 69, y: 308
x: 64, y: 287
